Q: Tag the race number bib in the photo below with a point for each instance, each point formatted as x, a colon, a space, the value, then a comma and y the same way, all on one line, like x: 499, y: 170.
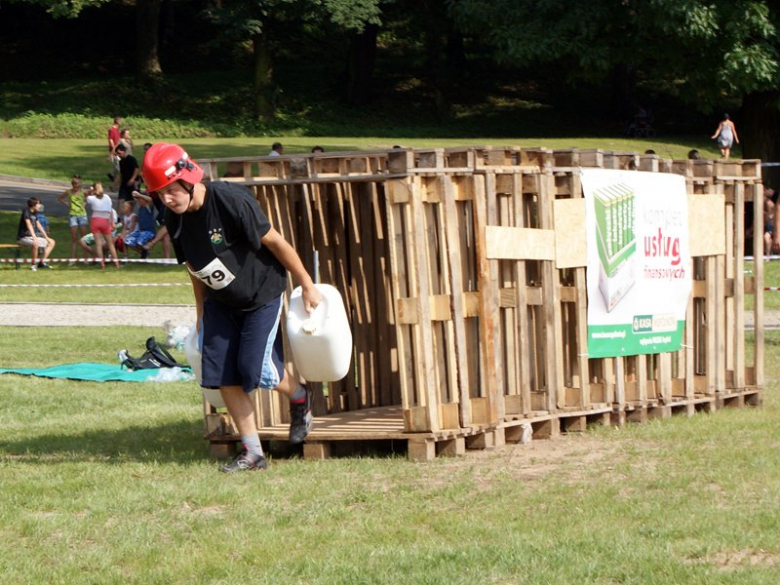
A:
x: 215, y: 275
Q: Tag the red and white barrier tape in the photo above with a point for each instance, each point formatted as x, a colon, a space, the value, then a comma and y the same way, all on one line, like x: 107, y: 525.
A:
x: 91, y: 260
x: 130, y: 285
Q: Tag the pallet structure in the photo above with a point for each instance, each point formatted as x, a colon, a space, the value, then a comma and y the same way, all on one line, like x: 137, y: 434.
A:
x: 463, y: 274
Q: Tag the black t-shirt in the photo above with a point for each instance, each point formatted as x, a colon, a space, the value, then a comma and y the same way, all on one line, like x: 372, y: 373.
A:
x: 221, y: 243
x: 23, y: 232
x: 126, y: 167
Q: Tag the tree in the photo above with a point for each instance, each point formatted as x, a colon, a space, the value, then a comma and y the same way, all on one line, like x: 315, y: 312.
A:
x: 707, y: 52
x: 260, y: 20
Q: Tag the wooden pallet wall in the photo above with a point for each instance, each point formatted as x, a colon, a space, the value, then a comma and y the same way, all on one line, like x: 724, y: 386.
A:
x: 463, y: 276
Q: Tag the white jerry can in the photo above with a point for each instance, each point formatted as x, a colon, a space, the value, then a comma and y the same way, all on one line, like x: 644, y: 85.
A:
x: 321, y: 341
x: 194, y: 357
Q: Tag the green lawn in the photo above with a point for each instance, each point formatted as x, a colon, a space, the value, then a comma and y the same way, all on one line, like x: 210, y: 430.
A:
x: 60, y: 159
x: 111, y: 483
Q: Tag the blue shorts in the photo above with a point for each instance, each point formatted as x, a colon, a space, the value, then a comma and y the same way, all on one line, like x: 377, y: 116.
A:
x: 78, y: 220
x: 242, y: 348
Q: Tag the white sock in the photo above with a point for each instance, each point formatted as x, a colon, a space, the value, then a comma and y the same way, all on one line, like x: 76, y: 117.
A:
x: 252, y: 445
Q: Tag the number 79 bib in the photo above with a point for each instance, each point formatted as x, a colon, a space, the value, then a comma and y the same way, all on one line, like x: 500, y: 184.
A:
x: 214, y: 275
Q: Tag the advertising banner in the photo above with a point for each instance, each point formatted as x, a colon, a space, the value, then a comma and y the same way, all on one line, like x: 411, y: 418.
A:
x: 639, y: 263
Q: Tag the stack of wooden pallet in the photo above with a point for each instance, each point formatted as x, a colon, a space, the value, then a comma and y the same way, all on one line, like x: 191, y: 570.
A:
x: 463, y: 272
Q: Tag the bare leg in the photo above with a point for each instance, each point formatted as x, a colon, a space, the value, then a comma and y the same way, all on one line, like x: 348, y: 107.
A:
x: 99, y: 248
x: 74, y: 236
x: 112, y: 249
x: 240, y: 407
x: 49, y: 248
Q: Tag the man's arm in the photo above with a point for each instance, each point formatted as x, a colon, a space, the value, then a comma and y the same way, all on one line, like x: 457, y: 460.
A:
x: 289, y: 258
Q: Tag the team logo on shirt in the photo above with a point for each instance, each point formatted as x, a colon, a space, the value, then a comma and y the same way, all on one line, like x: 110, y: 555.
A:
x: 215, y: 235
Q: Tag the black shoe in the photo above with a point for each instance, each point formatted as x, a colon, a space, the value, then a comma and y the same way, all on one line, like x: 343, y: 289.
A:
x: 110, y: 176
x: 144, y: 253
x: 300, y: 419
x: 44, y: 266
x: 244, y: 461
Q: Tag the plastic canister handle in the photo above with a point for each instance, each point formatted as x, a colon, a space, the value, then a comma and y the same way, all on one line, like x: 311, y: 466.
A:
x: 310, y: 325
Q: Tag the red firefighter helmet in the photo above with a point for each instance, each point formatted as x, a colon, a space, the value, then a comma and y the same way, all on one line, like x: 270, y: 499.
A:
x: 167, y: 163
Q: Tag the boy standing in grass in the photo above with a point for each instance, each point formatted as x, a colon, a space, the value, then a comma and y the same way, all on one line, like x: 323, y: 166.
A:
x: 237, y: 264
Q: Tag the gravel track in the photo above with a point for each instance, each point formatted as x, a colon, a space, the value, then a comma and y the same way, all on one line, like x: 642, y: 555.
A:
x: 78, y: 315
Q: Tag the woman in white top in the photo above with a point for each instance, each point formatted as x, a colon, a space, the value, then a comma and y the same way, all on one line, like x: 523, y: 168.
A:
x: 100, y: 222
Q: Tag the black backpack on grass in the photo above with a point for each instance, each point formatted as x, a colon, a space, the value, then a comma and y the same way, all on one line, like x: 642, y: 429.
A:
x: 155, y: 356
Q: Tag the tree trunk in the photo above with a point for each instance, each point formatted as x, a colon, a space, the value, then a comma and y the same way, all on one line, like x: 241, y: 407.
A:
x: 147, y: 59
x: 758, y: 131
x: 360, y: 65
x: 264, y: 79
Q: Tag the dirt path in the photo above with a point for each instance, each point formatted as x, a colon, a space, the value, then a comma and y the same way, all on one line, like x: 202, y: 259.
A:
x: 73, y: 314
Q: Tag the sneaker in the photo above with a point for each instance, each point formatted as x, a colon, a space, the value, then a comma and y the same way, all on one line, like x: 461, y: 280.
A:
x: 144, y: 253
x: 245, y: 462
x: 33, y: 268
x: 300, y: 419
x: 44, y: 266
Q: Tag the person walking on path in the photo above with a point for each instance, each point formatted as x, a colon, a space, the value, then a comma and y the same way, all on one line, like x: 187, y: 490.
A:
x: 129, y: 174
x: 114, y: 135
x: 31, y: 233
x: 74, y: 198
x: 238, y: 266
x: 726, y: 134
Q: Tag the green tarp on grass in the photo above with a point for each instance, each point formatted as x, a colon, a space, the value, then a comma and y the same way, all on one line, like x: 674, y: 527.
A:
x: 101, y: 373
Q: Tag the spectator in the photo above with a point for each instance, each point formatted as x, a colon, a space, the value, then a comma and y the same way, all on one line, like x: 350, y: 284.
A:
x: 113, y: 142
x: 129, y: 223
x: 694, y: 154
x: 100, y: 223
x: 146, y: 225
x: 87, y: 241
x: 31, y: 233
x: 129, y: 172
x: 276, y: 149
x: 726, y: 135
x: 77, y: 213
x: 126, y: 140
x: 317, y: 150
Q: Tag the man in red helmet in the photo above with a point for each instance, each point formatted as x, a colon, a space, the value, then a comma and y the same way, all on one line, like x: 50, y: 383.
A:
x: 237, y: 263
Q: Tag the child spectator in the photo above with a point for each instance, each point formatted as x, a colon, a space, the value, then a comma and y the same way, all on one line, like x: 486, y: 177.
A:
x: 146, y: 225
x: 31, y: 233
x: 77, y: 212
x: 129, y: 223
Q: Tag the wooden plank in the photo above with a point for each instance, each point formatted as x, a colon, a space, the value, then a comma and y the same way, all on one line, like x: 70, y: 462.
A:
x: 515, y: 243
x: 522, y: 331
x: 571, y: 246
x: 457, y: 286
x: 395, y: 229
x: 704, y: 212
x: 424, y: 354
x: 553, y: 346
x: 758, y: 278
x: 738, y: 264
x: 581, y: 288
x: 488, y: 306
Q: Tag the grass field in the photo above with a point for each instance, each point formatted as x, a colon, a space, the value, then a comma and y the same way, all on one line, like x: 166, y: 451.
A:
x: 60, y: 159
x: 111, y: 483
